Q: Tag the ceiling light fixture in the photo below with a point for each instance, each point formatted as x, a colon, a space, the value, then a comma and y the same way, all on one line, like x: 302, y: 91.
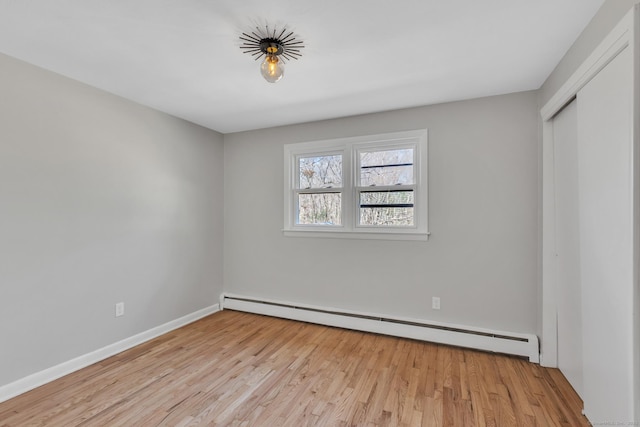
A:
x: 276, y: 49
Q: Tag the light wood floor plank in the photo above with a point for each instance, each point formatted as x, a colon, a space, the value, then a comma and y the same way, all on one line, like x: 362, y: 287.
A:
x: 239, y: 369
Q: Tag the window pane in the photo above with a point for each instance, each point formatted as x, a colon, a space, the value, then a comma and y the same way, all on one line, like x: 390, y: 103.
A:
x: 320, y: 171
x: 386, y: 216
x: 319, y: 209
x: 387, y: 167
x: 393, y: 208
x: 386, y: 198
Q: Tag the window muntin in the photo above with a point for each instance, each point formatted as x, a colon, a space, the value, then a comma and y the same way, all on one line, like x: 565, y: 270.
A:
x: 362, y: 187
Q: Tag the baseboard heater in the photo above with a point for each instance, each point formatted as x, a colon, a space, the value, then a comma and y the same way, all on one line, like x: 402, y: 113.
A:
x: 517, y: 344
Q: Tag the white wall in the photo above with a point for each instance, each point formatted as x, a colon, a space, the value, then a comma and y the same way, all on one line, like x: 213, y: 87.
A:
x: 101, y: 200
x: 481, y: 258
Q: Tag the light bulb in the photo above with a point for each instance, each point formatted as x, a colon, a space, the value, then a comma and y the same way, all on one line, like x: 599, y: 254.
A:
x: 272, y: 68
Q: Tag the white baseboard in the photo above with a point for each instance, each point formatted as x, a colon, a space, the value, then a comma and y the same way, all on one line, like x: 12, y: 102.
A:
x: 513, y: 343
x: 40, y: 378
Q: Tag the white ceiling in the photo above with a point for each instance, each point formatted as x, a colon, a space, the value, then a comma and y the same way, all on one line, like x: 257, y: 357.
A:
x: 361, y: 56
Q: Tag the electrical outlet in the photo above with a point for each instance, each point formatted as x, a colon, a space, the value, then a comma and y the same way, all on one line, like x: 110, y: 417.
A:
x: 435, y: 303
x: 119, y: 309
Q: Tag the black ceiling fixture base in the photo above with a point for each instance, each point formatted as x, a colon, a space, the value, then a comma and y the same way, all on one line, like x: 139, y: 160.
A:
x: 264, y: 41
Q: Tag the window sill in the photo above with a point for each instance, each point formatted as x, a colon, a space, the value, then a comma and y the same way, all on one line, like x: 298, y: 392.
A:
x: 359, y: 235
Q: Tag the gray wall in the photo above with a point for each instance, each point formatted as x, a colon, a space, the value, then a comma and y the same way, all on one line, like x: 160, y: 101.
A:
x: 481, y: 258
x: 101, y: 200
x: 602, y: 23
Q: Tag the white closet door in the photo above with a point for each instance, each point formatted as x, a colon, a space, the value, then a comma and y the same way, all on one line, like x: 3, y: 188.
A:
x: 606, y: 241
x: 568, y: 292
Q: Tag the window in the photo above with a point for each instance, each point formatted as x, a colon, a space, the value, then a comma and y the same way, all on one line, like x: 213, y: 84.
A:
x: 363, y: 187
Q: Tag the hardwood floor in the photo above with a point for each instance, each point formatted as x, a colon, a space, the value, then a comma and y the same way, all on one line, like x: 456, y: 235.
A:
x: 238, y: 369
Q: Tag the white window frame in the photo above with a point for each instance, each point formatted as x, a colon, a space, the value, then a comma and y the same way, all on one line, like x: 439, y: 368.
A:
x: 350, y: 149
